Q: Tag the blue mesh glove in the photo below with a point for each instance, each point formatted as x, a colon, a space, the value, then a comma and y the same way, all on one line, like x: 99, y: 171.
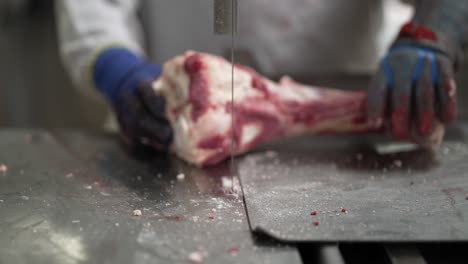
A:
x: 125, y: 79
x: 414, y: 86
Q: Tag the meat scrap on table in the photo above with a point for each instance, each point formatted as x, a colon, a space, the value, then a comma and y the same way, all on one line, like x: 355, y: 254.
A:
x: 3, y: 168
x: 137, y: 213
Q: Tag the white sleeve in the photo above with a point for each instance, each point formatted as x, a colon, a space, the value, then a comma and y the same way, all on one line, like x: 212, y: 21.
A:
x: 87, y: 26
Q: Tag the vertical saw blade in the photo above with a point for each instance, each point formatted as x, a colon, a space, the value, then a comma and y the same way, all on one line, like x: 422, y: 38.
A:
x: 225, y: 23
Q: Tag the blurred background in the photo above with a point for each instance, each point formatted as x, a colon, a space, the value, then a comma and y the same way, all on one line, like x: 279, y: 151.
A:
x: 35, y: 91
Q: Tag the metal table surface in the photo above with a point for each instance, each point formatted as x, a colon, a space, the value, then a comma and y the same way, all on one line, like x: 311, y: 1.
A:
x: 69, y: 197
x: 413, y: 196
x: 342, y: 189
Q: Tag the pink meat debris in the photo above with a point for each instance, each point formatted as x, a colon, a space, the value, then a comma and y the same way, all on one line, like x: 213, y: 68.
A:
x: 197, y: 89
x: 313, y: 213
x: 233, y: 250
x: 137, y: 213
x: 316, y: 223
x: 195, y: 257
x: 343, y: 210
x: 198, y: 256
x: 180, y: 177
x: 3, y: 168
x: 176, y: 218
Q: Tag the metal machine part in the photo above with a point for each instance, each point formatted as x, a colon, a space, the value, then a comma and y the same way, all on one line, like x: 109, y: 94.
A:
x: 225, y: 22
x: 225, y: 17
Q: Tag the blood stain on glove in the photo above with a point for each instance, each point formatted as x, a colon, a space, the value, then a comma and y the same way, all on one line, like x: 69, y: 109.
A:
x: 451, y: 111
x: 400, y: 123
x: 426, y: 124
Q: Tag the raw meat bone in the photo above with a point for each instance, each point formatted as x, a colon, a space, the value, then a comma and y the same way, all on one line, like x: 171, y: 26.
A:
x: 197, y: 88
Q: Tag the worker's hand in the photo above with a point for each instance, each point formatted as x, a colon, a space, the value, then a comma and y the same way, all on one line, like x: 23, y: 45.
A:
x: 414, y: 86
x: 126, y: 80
x: 141, y: 115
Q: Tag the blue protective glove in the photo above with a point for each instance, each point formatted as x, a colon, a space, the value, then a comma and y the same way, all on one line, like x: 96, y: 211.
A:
x: 125, y: 79
x: 414, y: 86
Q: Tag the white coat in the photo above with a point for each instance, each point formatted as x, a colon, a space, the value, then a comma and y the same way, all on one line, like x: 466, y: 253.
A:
x: 296, y: 37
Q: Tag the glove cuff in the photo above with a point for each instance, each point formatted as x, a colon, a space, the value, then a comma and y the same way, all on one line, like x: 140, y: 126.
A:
x: 423, y: 37
x: 118, y: 68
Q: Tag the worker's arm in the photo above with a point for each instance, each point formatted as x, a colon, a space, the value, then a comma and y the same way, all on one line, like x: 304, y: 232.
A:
x: 415, y: 83
x: 101, y: 46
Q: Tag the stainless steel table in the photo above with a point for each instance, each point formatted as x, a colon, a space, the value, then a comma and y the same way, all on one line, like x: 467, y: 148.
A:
x: 345, y: 188
x: 69, y: 198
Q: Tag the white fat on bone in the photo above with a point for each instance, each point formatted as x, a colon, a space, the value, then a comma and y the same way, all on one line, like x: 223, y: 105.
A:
x: 263, y: 110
